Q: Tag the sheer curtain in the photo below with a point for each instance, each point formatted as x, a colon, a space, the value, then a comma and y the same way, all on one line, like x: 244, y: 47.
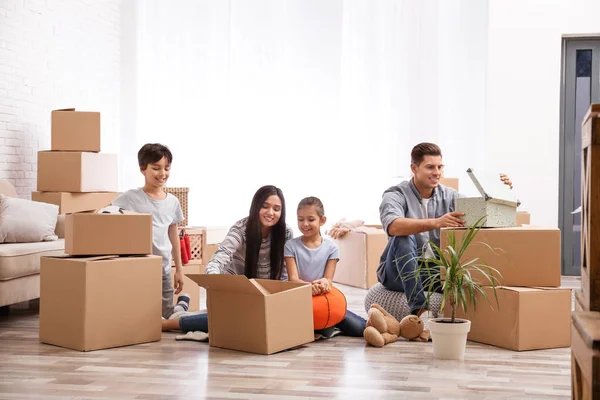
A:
x: 321, y: 98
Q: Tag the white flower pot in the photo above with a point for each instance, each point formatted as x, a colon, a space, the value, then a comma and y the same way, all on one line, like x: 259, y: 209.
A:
x: 449, y: 340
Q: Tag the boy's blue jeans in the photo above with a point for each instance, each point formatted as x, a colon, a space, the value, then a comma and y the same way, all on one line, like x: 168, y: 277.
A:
x: 351, y: 325
x: 400, y: 272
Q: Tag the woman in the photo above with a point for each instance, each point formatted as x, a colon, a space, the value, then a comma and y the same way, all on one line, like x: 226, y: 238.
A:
x: 253, y: 247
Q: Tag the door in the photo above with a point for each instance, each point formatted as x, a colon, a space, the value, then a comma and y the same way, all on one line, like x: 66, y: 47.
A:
x: 580, y: 86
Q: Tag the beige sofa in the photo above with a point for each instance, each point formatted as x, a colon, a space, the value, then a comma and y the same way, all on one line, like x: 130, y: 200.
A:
x: 20, y: 262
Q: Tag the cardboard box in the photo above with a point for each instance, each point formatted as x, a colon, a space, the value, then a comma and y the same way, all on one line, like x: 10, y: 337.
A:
x: 523, y: 218
x: 75, y: 130
x: 189, y: 286
x: 525, y: 256
x: 208, y: 251
x: 82, y: 301
x: 70, y: 171
x: 108, y: 234
x: 450, y: 182
x: 73, y: 202
x: 527, y: 319
x: 359, y: 258
x: 257, y: 315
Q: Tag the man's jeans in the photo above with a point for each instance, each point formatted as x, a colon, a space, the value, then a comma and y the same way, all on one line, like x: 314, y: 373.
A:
x: 400, y: 272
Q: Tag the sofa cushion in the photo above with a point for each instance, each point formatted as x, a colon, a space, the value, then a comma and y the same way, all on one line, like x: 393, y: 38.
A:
x: 22, y: 259
x: 23, y: 221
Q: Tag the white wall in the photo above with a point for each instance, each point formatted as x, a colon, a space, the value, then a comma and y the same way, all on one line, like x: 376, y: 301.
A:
x: 524, y: 93
x: 54, y: 54
x: 319, y: 98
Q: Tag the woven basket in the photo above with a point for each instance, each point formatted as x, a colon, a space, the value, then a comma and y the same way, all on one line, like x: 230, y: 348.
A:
x: 182, y: 194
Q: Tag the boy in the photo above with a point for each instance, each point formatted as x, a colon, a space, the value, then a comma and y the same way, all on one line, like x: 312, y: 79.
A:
x: 155, y: 164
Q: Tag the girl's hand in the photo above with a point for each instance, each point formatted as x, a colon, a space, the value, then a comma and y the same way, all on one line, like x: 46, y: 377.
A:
x: 324, y: 284
x: 316, y: 289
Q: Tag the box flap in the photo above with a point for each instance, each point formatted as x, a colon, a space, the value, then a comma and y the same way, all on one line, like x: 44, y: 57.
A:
x: 494, y: 189
x: 64, y: 109
x: 229, y: 283
x: 521, y: 289
x: 84, y: 258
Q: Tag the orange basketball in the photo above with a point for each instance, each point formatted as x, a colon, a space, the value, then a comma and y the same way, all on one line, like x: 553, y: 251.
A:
x: 329, y: 309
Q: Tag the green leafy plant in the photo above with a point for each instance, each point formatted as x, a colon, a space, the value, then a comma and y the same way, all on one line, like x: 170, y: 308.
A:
x: 459, y: 289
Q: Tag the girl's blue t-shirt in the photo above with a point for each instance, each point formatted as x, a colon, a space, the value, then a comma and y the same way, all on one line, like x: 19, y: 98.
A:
x: 311, y: 262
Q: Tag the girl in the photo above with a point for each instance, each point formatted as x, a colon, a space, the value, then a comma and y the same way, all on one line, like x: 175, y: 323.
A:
x: 253, y: 247
x: 310, y: 258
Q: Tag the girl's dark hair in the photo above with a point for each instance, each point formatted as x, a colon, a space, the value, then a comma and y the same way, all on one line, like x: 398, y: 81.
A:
x: 152, y: 153
x: 312, y: 201
x: 254, y: 234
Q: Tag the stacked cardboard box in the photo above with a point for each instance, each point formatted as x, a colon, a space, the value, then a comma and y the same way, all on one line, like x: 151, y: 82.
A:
x: 533, y: 311
x: 107, y: 255
x: 74, y: 174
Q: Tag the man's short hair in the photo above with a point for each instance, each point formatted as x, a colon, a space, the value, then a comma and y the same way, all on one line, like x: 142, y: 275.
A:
x: 424, y: 149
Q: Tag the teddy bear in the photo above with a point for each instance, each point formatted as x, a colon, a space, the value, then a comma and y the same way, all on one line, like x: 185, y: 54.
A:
x: 382, y: 328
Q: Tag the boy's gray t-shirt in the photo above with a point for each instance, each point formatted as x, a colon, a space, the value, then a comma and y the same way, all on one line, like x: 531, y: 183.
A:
x: 311, y: 262
x: 164, y: 213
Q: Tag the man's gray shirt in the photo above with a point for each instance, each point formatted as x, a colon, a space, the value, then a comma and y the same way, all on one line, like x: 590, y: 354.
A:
x: 404, y: 201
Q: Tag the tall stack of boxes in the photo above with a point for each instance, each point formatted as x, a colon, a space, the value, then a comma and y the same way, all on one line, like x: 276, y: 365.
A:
x: 106, y: 291
x: 74, y: 174
x: 533, y: 312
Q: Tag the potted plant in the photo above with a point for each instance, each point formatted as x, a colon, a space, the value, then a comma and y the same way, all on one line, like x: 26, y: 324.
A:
x: 459, y: 289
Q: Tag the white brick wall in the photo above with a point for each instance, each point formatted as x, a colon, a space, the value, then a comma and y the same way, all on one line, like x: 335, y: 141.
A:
x: 54, y: 54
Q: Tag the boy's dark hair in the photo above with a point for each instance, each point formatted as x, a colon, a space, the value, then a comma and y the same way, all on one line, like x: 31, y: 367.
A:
x: 312, y: 201
x: 153, y: 152
x: 254, y: 234
x: 424, y: 149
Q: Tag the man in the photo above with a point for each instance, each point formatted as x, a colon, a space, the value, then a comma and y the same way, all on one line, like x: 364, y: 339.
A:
x: 412, y: 213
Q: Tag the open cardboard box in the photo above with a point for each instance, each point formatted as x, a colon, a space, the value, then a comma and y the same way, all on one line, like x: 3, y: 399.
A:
x: 257, y: 315
x: 90, y: 233
x: 91, y: 303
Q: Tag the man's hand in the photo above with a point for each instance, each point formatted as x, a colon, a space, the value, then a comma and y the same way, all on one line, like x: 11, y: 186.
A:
x: 506, y: 180
x: 178, y: 282
x: 450, y: 220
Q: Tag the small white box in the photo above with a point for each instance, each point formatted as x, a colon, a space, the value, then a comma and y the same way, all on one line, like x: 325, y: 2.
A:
x: 500, y: 210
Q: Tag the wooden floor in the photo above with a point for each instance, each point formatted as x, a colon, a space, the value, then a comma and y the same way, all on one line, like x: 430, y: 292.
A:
x: 337, y: 368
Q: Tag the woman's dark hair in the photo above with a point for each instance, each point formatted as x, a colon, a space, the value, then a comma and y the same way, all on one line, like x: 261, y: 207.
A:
x: 254, y: 234
x: 152, y: 153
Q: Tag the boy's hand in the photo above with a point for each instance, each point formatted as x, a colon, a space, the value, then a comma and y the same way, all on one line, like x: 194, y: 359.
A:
x: 178, y: 282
